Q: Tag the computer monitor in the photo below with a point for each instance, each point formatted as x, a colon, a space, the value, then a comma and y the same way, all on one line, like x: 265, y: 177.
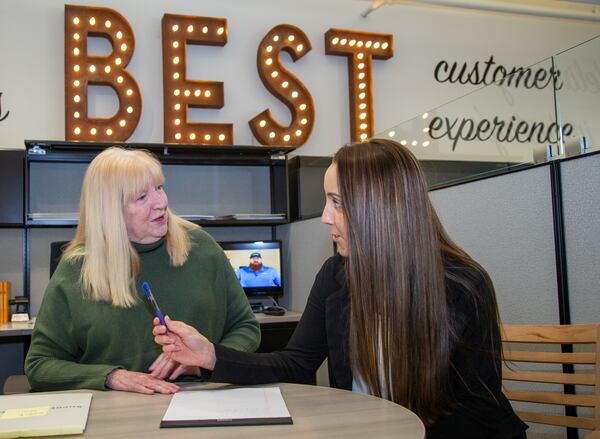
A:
x: 257, y: 265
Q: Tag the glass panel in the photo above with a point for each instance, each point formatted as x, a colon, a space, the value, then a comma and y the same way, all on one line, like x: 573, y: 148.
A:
x: 192, y: 190
x: 493, y: 128
x: 218, y: 190
x: 54, y: 189
x: 578, y: 94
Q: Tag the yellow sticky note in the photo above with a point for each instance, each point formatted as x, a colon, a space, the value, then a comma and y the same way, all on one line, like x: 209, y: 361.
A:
x: 28, y: 412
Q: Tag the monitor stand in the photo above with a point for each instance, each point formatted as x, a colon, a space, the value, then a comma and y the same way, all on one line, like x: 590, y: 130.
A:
x: 259, y: 303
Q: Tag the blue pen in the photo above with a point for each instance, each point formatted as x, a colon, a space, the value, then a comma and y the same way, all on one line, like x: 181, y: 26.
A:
x: 152, y: 301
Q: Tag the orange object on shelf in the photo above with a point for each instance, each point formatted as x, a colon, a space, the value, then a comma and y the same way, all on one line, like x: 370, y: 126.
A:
x: 4, y: 298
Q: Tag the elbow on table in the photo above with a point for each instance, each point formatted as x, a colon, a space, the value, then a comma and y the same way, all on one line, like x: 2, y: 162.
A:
x: 38, y: 379
x: 33, y: 377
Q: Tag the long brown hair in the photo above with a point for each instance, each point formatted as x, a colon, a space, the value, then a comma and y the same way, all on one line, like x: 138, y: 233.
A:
x: 397, y: 269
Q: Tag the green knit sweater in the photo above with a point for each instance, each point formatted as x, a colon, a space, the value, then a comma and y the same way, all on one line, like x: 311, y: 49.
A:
x: 77, y: 342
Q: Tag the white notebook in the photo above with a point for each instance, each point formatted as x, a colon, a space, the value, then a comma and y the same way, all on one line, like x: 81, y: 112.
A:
x: 47, y: 414
x: 227, y: 406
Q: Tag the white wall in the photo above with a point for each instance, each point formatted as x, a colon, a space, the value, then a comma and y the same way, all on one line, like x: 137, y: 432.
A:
x: 31, y: 71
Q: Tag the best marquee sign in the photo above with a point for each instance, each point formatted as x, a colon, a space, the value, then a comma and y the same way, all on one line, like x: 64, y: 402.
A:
x: 180, y: 92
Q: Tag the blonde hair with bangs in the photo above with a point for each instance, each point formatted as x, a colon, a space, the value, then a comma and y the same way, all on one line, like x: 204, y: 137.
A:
x: 110, y: 263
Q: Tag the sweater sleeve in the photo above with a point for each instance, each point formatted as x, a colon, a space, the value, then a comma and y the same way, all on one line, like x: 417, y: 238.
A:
x: 242, y: 330
x: 52, y: 360
x: 297, y: 362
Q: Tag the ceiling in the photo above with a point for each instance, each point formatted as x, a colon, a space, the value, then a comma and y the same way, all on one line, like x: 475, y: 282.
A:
x: 587, y: 10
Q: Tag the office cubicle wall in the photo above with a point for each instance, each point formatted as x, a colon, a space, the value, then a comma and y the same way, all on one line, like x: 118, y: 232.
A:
x: 581, y: 198
x: 309, y: 244
x: 505, y: 223
x: 581, y: 194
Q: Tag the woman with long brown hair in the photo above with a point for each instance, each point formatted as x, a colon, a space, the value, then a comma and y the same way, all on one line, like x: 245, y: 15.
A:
x: 401, y: 312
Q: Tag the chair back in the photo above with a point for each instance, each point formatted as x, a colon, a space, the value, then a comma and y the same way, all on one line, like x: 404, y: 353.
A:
x: 532, y: 344
x: 16, y: 384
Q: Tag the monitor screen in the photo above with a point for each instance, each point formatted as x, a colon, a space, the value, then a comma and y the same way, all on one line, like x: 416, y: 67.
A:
x: 257, y: 265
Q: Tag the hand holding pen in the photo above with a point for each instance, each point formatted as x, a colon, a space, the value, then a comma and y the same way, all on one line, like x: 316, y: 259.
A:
x: 184, y: 344
x: 150, y: 298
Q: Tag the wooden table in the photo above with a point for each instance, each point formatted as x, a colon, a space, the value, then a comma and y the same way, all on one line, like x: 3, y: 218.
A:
x: 317, y: 412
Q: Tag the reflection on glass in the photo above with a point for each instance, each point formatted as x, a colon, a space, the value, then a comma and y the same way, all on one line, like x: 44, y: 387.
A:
x: 490, y: 129
x: 578, y: 95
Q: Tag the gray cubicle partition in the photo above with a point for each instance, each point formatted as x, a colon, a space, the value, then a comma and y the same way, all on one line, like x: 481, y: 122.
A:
x: 308, y: 245
x: 505, y: 223
x: 581, y: 195
x: 581, y: 201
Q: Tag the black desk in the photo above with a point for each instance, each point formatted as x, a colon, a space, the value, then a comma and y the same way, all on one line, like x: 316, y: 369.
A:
x: 275, y: 331
x: 17, y: 332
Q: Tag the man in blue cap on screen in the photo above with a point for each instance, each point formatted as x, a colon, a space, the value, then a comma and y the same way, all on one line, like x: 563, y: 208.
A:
x: 258, y: 275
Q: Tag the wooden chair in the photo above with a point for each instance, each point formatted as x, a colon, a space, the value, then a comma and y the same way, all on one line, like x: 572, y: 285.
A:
x: 554, y: 334
x: 16, y: 384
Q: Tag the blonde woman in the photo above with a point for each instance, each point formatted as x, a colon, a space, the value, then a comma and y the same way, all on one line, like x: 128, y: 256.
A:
x: 400, y: 312
x: 92, y: 328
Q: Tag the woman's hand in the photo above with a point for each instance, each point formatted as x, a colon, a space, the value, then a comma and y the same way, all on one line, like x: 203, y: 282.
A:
x: 164, y: 367
x: 121, y: 379
x: 183, y: 344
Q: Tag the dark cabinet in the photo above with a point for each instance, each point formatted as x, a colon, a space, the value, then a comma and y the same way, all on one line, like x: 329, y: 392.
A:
x: 12, y: 175
x: 208, y: 185
x: 231, y: 186
x: 274, y: 336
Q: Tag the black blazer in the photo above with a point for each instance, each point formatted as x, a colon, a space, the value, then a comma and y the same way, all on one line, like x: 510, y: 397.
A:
x: 482, y: 411
x: 322, y: 332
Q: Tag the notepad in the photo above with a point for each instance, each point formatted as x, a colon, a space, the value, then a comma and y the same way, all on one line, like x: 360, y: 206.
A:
x: 227, y: 406
x: 43, y: 414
